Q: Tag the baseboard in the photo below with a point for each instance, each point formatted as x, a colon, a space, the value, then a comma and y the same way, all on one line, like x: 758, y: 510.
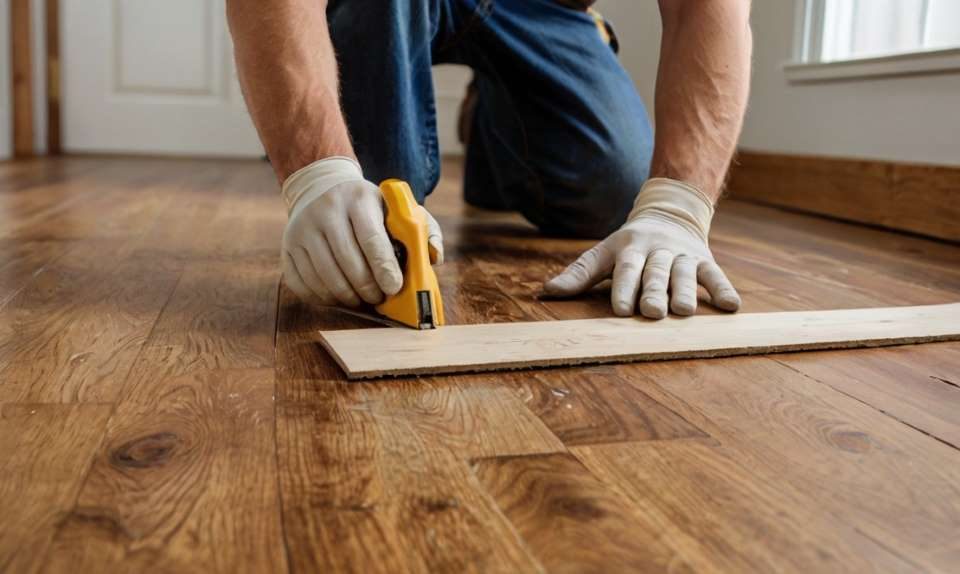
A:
x: 923, y: 199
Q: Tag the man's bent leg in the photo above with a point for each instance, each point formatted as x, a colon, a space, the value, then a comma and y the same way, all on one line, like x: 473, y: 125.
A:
x: 384, y: 54
x: 559, y: 132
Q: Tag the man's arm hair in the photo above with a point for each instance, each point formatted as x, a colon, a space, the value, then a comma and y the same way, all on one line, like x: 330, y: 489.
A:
x: 702, y: 87
x: 288, y: 74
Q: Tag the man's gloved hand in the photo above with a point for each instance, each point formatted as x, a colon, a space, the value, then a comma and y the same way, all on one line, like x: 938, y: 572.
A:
x: 662, y: 245
x: 335, y: 247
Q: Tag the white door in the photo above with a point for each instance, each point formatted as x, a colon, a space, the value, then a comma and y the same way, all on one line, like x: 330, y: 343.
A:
x: 151, y: 76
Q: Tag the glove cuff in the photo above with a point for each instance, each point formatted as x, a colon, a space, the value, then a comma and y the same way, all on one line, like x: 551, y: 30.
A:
x: 317, y: 178
x: 676, y: 202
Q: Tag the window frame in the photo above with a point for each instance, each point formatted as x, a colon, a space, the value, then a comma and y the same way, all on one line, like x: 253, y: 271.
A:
x: 806, y: 65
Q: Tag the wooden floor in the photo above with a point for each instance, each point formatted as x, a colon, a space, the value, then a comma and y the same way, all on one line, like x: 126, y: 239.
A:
x: 162, y: 408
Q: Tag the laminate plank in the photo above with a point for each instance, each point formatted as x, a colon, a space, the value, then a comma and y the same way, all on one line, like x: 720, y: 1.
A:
x: 185, y: 480
x: 572, y: 522
x: 517, y: 345
x: 45, y: 451
x: 715, y: 509
x: 895, y: 485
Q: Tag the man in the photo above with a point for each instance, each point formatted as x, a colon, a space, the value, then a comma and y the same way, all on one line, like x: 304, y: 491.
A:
x: 342, y: 97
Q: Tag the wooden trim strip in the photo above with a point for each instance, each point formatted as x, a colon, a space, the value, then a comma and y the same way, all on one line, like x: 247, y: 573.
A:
x: 52, y: 32
x: 22, y: 61
x: 923, y: 199
x: 365, y: 353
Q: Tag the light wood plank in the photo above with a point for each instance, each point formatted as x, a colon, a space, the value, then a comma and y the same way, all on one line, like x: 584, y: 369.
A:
x: 45, y: 452
x: 520, y: 345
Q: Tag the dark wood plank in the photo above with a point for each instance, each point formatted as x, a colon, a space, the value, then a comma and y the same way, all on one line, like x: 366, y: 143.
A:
x: 911, y: 197
x: 186, y: 478
x: 45, y: 452
x: 572, y: 522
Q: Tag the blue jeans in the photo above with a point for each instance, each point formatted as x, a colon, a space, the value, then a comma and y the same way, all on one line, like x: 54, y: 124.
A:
x: 559, y: 132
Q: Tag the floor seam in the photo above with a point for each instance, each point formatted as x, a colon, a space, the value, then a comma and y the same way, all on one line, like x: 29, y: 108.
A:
x: 872, y: 407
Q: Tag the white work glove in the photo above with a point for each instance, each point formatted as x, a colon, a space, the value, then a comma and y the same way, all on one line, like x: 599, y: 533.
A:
x: 662, y: 245
x: 335, y: 247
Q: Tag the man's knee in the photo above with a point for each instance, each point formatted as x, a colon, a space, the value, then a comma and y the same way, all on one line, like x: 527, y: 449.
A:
x: 596, y: 202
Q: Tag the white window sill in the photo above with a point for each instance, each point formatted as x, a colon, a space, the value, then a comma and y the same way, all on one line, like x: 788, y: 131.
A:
x: 929, y: 62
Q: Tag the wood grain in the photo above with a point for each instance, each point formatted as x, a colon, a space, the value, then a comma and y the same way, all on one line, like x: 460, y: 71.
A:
x: 918, y: 386
x: 839, y: 453
x: 572, y: 521
x: 518, y: 345
x: 711, y: 508
x: 358, y: 465
x: 186, y: 478
x: 596, y: 405
x: 147, y: 288
x: 45, y: 451
x: 910, y: 197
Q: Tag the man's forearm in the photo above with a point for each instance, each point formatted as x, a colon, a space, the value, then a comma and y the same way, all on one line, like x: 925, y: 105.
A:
x: 288, y: 73
x: 702, y: 88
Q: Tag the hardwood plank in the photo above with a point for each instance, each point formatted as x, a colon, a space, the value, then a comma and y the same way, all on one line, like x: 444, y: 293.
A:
x: 895, y: 485
x: 595, y: 405
x: 373, y: 477
x: 363, y: 494
x: 911, y: 197
x: 714, y: 509
x: 516, y: 345
x: 20, y: 261
x: 574, y: 523
x: 186, y: 479
x: 73, y: 335
x: 221, y: 315
x: 45, y: 452
x: 919, y: 386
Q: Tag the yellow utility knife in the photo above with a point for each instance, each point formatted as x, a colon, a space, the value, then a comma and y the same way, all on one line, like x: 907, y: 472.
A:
x: 418, y: 304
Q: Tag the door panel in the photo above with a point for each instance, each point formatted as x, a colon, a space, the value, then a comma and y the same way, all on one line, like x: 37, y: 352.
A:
x: 152, y: 76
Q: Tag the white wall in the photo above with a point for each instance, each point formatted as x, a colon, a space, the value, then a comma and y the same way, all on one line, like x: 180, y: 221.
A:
x: 913, y: 118
x: 6, y: 119
x: 908, y: 118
